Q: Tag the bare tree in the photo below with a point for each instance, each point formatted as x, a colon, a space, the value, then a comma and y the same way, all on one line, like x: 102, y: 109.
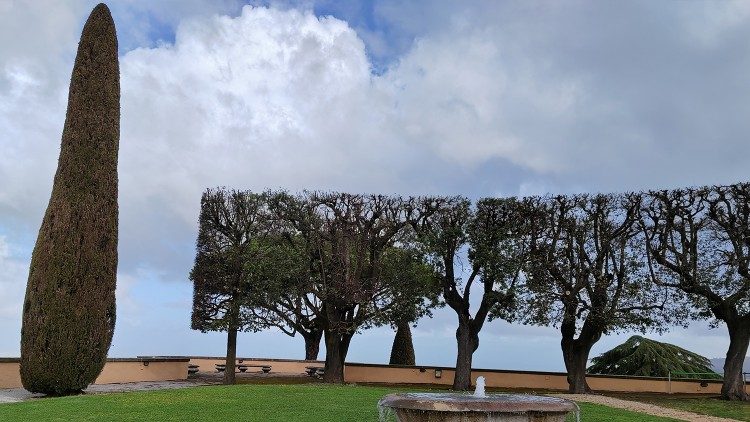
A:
x: 296, y: 312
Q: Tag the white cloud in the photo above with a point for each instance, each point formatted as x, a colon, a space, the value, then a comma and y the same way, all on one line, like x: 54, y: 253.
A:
x: 709, y: 22
x: 455, y: 94
x: 38, y: 29
x: 264, y: 99
x: 270, y: 98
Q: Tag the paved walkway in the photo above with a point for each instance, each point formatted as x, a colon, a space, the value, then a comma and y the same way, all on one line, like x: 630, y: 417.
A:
x: 650, y: 409
x: 13, y: 395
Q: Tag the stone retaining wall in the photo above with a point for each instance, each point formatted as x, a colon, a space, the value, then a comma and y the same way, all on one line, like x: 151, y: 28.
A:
x: 116, y: 370
x: 440, y: 375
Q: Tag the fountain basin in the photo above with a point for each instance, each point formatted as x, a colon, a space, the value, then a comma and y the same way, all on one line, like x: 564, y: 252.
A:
x: 449, y: 407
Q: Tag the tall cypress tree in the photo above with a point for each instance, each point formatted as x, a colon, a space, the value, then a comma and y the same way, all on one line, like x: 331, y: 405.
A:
x: 69, y: 311
x: 402, y: 350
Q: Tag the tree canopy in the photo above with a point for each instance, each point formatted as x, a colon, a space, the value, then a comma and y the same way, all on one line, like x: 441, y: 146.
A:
x: 332, y: 264
x: 312, y: 263
x: 586, y: 274
x: 233, y: 259
x: 449, y: 227
x: 698, y: 242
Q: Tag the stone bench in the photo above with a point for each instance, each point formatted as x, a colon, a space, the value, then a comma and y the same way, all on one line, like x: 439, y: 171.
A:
x: 221, y: 367
x: 315, y: 371
x: 264, y: 368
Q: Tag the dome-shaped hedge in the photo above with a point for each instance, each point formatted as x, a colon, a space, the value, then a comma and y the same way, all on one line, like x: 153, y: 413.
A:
x: 640, y: 356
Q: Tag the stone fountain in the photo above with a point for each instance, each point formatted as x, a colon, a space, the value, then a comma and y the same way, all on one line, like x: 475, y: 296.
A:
x: 458, y: 407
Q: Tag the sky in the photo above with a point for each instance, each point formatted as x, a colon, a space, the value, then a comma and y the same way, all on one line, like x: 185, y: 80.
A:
x: 476, y: 98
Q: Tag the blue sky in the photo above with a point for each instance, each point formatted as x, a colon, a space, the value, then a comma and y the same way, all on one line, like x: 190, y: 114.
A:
x: 480, y: 98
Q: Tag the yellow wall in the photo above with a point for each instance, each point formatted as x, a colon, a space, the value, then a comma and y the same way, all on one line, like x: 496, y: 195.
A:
x: 359, y: 373
x: 115, y: 371
x: 134, y: 371
x: 10, y: 376
x: 161, y: 369
x: 385, y: 374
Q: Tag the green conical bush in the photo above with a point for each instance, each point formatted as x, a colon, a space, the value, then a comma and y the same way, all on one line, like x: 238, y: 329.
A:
x: 402, y: 351
x: 69, y: 311
x: 640, y: 356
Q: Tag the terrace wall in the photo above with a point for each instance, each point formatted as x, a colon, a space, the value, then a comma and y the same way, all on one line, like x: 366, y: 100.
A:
x: 426, y: 375
x: 116, y: 370
x: 164, y: 368
x: 532, y: 380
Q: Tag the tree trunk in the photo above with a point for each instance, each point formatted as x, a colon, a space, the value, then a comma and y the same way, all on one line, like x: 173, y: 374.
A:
x: 337, y: 346
x: 468, y: 342
x: 739, y: 337
x: 576, y: 355
x: 402, y: 351
x: 312, y: 344
x: 231, y: 356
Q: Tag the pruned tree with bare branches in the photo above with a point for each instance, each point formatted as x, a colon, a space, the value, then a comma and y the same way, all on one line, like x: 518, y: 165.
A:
x: 699, y: 243
x: 346, y: 237
x: 586, y: 274
x: 447, y: 228
x: 291, y: 303
x: 229, y: 265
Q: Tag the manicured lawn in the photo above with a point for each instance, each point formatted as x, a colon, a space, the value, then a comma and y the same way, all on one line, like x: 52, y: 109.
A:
x: 310, y: 402
x: 703, y: 405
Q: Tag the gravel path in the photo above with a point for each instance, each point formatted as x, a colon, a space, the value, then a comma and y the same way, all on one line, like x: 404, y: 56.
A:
x: 650, y: 409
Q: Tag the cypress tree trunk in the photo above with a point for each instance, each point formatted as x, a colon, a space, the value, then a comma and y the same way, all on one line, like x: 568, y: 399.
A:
x: 468, y: 342
x: 402, y: 351
x: 739, y: 337
x: 69, y: 310
x: 312, y: 344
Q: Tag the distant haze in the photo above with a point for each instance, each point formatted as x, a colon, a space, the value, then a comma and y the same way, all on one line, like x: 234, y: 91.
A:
x: 718, y: 364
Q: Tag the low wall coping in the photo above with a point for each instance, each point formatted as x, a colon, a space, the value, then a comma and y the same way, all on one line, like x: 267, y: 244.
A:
x: 450, y: 368
x: 261, y: 359
x: 151, y: 359
x: 514, y: 371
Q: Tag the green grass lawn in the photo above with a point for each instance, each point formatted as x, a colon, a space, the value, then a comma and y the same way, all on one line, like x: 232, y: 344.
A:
x: 701, y: 404
x: 242, y: 402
